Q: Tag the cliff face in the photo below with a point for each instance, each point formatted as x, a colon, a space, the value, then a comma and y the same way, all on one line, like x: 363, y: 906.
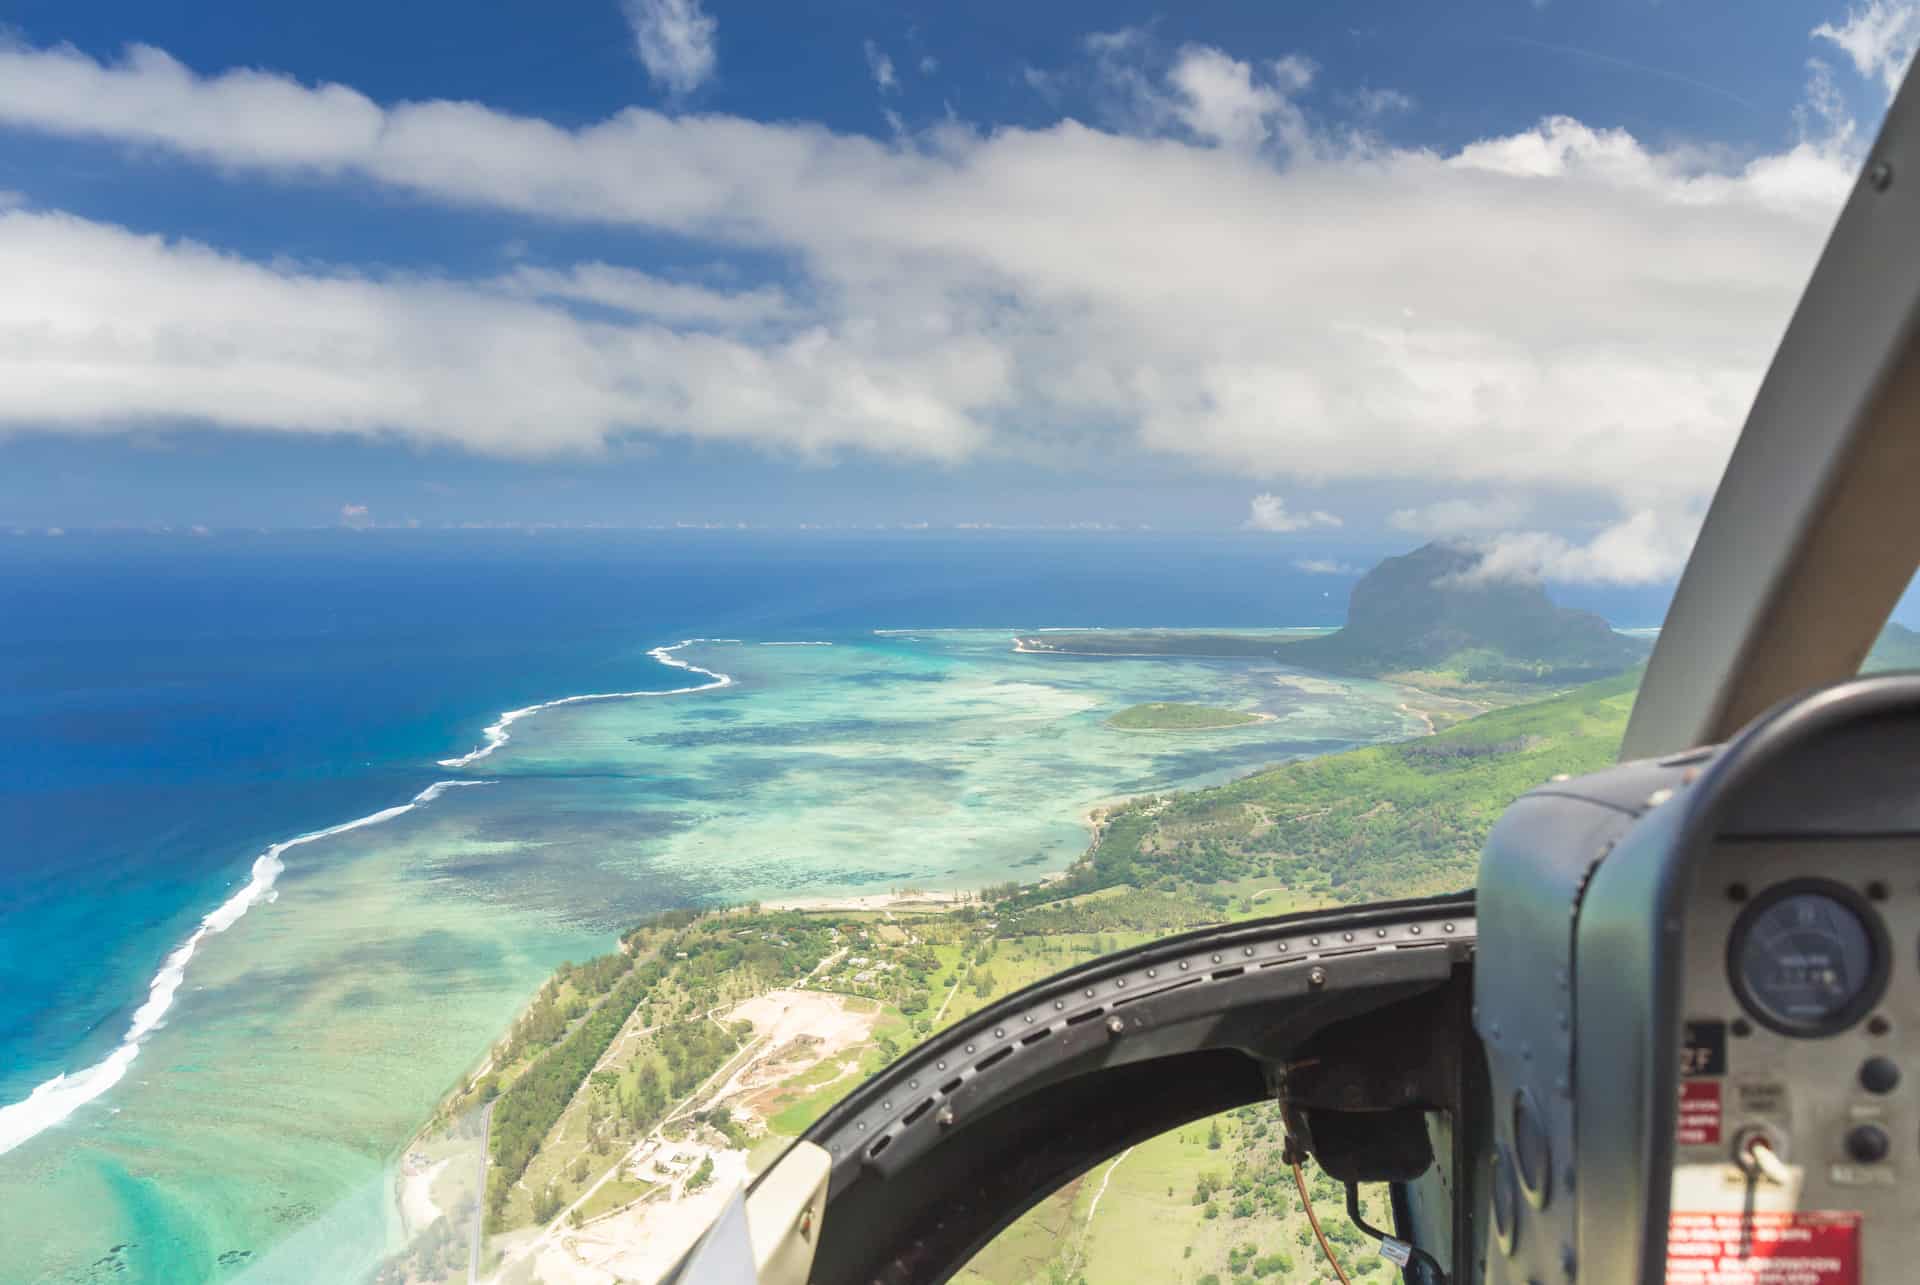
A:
x: 1425, y: 611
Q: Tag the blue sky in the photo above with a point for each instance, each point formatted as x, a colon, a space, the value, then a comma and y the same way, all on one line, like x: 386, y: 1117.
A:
x: 1343, y: 273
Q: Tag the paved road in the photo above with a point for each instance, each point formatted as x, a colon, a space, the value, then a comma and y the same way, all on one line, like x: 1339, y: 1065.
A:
x: 480, y: 1198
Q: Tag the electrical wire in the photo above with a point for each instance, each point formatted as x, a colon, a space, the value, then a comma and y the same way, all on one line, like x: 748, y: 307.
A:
x: 1428, y: 1263
x: 1313, y: 1220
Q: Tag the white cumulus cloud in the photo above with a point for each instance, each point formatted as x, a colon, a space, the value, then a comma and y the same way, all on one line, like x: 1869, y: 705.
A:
x: 1269, y: 512
x: 1325, y: 567
x: 1461, y: 517
x: 102, y: 327
x: 1561, y: 308
x: 1378, y: 102
x: 1880, y: 37
x: 881, y: 68
x: 1644, y: 547
x: 674, y: 39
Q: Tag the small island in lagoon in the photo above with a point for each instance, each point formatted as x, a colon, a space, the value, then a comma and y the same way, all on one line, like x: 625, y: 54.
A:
x: 1179, y: 716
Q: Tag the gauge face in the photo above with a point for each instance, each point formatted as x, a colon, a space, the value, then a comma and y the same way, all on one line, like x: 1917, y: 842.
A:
x: 1807, y: 958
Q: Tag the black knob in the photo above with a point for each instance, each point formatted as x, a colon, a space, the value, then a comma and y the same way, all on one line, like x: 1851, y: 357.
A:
x: 1868, y: 1143
x: 1879, y: 1075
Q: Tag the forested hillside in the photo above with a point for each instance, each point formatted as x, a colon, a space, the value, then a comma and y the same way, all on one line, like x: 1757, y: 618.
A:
x: 1385, y: 821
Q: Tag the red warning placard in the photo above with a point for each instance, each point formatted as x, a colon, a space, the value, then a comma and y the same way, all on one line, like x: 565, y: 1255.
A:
x: 1818, y: 1247
x: 1699, y: 1113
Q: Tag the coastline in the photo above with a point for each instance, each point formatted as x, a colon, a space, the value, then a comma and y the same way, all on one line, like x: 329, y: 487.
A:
x: 1029, y: 700
x: 495, y: 734
x: 56, y: 1099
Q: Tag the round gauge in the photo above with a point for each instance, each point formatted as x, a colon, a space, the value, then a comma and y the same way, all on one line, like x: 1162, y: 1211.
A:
x: 1808, y: 957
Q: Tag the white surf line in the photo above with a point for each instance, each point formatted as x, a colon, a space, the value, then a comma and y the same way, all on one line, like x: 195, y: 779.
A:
x: 496, y: 734
x: 796, y: 644
x: 56, y: 1099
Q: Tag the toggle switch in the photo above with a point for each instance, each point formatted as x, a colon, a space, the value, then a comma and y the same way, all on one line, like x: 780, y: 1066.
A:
x: 1868, y: 1143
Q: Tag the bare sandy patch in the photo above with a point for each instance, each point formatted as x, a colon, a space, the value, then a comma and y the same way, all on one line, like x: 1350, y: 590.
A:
x: 417, y: 1209
x: 644, y: 1241
x: 799, y: 1030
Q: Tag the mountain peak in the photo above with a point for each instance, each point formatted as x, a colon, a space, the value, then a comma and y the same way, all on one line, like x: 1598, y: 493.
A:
x: 1428, y: 610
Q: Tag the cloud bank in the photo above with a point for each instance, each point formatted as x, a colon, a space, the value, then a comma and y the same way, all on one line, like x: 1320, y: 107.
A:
x: 1227, y: 281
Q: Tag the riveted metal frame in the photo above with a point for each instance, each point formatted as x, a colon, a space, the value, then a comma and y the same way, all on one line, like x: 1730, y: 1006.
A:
x: 1117, y: 1050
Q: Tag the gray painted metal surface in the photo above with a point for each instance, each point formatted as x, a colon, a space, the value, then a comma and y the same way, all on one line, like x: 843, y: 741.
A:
x: 1814, y: 531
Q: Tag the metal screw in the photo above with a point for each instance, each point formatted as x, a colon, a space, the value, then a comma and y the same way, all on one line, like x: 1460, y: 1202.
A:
x: 1880, y: 177
x: 1414, y: 930
x: 1318, y: 977
x: 945, y: 1118
x: 1117, y: 1025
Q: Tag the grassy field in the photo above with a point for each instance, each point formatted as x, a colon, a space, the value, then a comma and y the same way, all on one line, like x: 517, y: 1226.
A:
x: 617, y: 1193
x: 1136, y: 1217
x: 1171, y: 716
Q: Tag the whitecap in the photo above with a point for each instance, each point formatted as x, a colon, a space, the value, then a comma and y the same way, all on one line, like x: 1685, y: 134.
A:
x: 495, y: 734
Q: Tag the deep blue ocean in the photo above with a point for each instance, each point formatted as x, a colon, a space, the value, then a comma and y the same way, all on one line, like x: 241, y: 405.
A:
x: 170, y: 705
